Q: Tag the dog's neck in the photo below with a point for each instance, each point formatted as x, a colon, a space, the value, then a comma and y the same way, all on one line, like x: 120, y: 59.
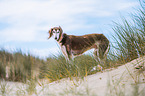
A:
x: 62, y: 39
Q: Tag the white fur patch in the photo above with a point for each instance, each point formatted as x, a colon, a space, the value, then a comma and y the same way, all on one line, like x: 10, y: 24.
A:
x: 57, y: 30
x: 56, y: 34
x: 63, y: 49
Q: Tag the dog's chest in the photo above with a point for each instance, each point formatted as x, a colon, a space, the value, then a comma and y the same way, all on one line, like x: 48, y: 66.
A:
x: 63, y: 49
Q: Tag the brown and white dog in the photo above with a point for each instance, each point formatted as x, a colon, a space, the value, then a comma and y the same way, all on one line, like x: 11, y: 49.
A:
x: 72, y: 46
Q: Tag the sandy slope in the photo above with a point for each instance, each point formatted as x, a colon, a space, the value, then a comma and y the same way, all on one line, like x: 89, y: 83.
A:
x: 108, y: 82
x: 121, y: 80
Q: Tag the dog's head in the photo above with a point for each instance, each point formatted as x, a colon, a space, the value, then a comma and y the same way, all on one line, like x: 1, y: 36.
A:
x: 56, y: 32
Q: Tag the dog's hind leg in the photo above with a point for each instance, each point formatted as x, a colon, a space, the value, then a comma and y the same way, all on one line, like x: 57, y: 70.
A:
x: 96, y: 55
x: 103, y: 50
x: 100, y: 53
x: 97, y: 58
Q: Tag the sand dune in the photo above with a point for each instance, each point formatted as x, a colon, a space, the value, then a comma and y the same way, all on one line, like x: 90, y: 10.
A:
x: 109, y: 82
x: 125, y: 80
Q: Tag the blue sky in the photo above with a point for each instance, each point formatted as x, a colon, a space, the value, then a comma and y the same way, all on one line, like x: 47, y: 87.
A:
x: 24, y: 23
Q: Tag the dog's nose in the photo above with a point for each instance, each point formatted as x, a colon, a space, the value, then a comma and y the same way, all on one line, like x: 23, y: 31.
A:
x: 55, y: 38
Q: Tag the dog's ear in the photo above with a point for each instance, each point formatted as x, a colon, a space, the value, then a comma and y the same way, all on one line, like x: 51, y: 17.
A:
x: 50, y: 33
x: 60, y: 29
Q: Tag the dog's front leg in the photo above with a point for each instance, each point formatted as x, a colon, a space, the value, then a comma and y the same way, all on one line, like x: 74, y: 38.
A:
x: 66, y: 52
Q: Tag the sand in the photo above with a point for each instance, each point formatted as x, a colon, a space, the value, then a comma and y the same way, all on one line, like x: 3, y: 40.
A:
x: 125, y: 80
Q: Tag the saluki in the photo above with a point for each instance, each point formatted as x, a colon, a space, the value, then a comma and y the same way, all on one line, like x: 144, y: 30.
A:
x: 72, y: 46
